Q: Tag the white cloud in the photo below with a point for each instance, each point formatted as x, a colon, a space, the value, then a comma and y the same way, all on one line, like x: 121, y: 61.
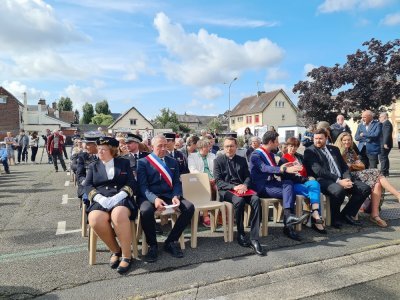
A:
x: 276, y: 74
x: 18, y: 88
x: 209, y: 92
x: 134, y: 69
x: 391, y: 19
x: 80, y: 95
x: 130, y: 6
x: 30, y: 25
x: 240, y: 23
x: 193, y: 103
x: 204, y: 59
x: 208, y: 106
x: 307, y: 68
x: 330, y: 6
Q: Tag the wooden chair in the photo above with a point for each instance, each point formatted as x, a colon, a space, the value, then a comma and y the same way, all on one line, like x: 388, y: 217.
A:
x: 326, y: 209
x: 84, y: 225
x: 196, y: 189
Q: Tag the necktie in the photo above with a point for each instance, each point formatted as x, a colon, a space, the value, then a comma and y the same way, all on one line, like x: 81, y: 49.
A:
x: 332, y: 165
x: 136, y: 156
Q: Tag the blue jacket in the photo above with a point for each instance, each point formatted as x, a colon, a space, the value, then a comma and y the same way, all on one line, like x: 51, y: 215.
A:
x: 3, y: 154
x: 371, y: 137
x: 151, y: 185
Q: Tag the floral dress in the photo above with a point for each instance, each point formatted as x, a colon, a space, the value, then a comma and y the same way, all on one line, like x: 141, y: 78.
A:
x: 368, y: 176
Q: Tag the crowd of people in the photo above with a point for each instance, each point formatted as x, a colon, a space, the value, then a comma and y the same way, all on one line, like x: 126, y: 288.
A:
x: 121, y: 176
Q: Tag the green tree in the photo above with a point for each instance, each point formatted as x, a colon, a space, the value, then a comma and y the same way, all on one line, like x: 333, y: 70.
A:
x: 65, y: 104
x: 167, y: 116
x: 102, y: 108
x: 102, y: 119
x: 183, y: 128
x: 368, y: 80
x: 215, y: 124
x: 88, y: 113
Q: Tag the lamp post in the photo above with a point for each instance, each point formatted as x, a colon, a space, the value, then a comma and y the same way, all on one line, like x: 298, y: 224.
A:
x: 229, y: 111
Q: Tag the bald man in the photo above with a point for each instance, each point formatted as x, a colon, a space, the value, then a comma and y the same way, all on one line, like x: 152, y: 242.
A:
x: 339, y: 127
x: 368, y: 135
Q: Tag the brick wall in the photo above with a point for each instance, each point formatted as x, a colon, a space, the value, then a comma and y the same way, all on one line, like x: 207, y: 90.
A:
x: 9, y: 114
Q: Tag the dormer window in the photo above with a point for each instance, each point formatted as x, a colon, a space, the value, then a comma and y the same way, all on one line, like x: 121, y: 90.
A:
x: 3, y: 99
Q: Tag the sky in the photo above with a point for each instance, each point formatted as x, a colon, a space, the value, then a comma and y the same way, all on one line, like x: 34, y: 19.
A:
x: 178, y: 54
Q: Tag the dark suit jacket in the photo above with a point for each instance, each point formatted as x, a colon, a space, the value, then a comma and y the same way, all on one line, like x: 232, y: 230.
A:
x: 83, y: 162
x: 96, y: 181
x: 182, y: 161
x: 317, y: 164
x: 371, y: 138
x: 387, y: 131
x: 223, y: 177
x: 133, y: 160
x: 152, y: 185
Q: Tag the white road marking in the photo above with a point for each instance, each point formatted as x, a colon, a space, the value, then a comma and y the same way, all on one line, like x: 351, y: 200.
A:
x: 61, y: 228
x: 68, y: 173
x: 66, y: 183
x: 64, y: 199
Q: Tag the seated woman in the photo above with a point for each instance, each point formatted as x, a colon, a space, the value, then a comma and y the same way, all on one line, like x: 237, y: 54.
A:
x: 372, y: 177
x: 76, y: 150
x: 302, y: 185
x: 110, y: 186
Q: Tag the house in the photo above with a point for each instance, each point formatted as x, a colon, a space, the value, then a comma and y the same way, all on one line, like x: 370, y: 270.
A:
x: 131, y: 120
x: 264, y: 109
x: 11, y: 113
x: 196, y: 123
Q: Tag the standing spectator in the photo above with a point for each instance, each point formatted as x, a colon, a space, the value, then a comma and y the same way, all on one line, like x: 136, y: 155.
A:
x: 3, y: 157
x: 63, y: 146
x: 46, y: 137
x: 255, y: 143
x: 369, y: 135
x: 339, y: 127
x: 54, y: 147
x: 147, y: 136
x: 34, y: 144
x: 386, y: 143
x: 307, y: 139
x: 179, y: 144
x: 23, y: 144
x: 247, y: 136
x: 10, y: 145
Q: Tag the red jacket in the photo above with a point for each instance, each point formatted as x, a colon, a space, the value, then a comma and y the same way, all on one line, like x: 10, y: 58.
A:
x: 50, y: 143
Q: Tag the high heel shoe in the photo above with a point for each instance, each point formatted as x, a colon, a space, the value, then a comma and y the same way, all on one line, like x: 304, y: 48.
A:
x: 315, y: 222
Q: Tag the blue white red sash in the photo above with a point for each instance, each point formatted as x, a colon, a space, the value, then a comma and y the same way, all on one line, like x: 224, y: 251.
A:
x: 266, y: 158
x: 161, y: 167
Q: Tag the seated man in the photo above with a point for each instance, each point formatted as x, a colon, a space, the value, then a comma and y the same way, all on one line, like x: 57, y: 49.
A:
x: 3, y: 157
x: 263, y: 169
x: 232, y: 178
x: 132, y: 143
x: 328, y: 167
x: 178, y: 155
x: 159, y: 185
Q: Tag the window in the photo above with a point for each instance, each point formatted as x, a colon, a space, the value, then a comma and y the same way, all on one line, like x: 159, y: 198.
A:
x: 3, y: 99
x: 132, y: 121
x: 283, y: 104
x: 276, y: 103
x: 240, y: 119
x: 283, y: 117
x: 248, y: 120
x: 289, y: 134
x: 257, y: 119
x: 233, y: 121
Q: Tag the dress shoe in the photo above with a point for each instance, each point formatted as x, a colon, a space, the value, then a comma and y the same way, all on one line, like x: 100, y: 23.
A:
x: 349, y: 220
x: 152, y: 255
x: 291, y: 233
x: 255, y: 245
x: 115, y: 259
x: 243, y: 241
x: 315, y: 222
x: 174, y: 249
x: 337, y: 224
x: 122, y: 270
x: 159, y: 230
x: 293, y: 220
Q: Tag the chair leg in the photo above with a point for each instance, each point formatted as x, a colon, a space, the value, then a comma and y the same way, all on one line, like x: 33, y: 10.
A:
x: 265, y: 215
x: 134, y: 240
x: 299, y: 210
x: 224, y: 224
x: 194, y: 228
x: 84, y: 221
x: 229, y: 208
x: 328, y: 220
x: 213, y: 220
x: 145, y: 247
x: 181, y: 238
x: 92, y: 247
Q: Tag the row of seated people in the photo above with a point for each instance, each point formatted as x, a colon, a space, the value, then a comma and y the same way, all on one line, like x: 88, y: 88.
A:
x: 111, y: 182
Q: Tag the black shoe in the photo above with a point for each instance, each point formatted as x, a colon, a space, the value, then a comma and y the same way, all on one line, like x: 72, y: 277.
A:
x: 293, y: 220
x: 174, y: 249
x: 291, y: 233
x: 255, y: 245
x: 115, y: 263
x: 159, y: 230
x: 152, y: 255
x: 243, y: 241
x: 315, y: 222
x: 349, y: 220
x: 122, y: 270
x: 7, y: 172
x: 337, y: 224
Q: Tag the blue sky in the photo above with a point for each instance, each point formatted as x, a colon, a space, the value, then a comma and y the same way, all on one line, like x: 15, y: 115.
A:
x: 178, y: 54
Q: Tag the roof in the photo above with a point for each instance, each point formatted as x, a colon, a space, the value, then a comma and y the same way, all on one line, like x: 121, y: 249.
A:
x: 3, y: 91
x: 115, y: 115
x: 32, y: 107
x: 125, y: 113
x: 86, y: 127
x: 187, y: 118
x: 67, y: 116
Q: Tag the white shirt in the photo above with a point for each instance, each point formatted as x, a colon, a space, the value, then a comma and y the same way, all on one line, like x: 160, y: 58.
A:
x: 109, y: 168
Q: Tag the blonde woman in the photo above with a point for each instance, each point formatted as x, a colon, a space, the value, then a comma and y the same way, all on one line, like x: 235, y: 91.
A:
x: 372, y: 177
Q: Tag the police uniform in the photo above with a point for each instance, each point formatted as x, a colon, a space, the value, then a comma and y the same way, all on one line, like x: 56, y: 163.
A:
x: 177, y: 155
x: 133, y: 158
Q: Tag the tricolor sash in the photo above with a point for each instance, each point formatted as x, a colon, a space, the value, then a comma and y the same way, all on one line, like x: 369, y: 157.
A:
x: 266, y: 158
x: 161, y: 167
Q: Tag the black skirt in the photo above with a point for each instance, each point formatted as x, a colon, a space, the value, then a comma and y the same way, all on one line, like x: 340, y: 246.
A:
x: 127, y: 202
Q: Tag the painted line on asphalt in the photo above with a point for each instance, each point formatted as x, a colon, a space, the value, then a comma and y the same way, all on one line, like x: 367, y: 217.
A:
x: 64, y: 199
x: 61, y: 228
x: 66, y: 183
x: 68, y: 173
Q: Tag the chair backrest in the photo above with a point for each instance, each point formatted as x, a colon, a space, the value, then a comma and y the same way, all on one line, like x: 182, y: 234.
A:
x: 196, y: 187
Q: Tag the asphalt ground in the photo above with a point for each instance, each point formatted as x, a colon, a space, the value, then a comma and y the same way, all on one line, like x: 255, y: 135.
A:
x: 35, y: 261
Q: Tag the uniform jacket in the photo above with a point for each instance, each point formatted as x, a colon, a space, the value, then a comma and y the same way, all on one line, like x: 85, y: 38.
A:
x: 133, y: 160
x: 83, y: 162
x: 196, y: 164
x: 182, y: 161
x: 152, y: 185
x: 371, y: 138
x: 223, y: 177
x: 96, y: 181
x: 317, y: 164
x: 387, y: 131
x: 50, y: 143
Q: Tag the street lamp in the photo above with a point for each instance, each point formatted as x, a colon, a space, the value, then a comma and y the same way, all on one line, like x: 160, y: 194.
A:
x: 229, y: 111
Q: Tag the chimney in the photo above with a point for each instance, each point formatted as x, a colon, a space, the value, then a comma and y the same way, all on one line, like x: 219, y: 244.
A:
x: 42, y: 107
x: 259, y: 93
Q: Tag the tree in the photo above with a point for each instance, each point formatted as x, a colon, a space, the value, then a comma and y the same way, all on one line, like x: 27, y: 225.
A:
x: 102, y: 108
x: 65, y: 104
x: 166, y: 116
x: 368, y: 80
x: 102, y: 119
x: 88, y: 113
x: 76, y: 116
x: 183, y: 128
x: 215, y: 124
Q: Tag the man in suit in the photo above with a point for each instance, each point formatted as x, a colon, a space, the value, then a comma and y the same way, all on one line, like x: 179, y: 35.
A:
x: 326, y: 164
x: 177, y: 155
x: 368, y: 136
x: 386, y: 143
x: 132, y: 143
x: 159, y: 185
x: 231, y: 174
x: 263, y: 169
x: 339, y: 127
